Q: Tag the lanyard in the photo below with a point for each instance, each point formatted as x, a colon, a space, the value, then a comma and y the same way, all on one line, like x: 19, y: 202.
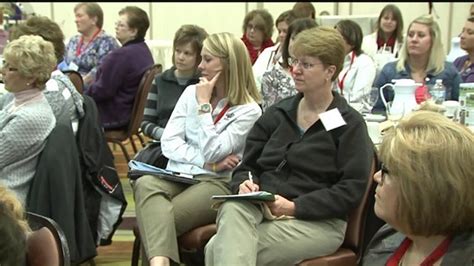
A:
x: 437, y: 253
x: 79, y: 46
x: 341, y: 81
x: 221, y: 114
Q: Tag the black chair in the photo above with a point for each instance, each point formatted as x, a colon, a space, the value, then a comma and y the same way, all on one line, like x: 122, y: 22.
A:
x: 47, y: 244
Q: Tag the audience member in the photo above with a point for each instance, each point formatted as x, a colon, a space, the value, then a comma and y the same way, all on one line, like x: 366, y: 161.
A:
x: 388, y: 36
x: 258, y: 30
x: 168, y: 86
x: 60, y: 92
x: 277, y: 83
x: 271, y: 55
x: 204, y: 137
x: 424, y: 194
x: 304, y: 10
x: 26, y: 120
x: 465, y: 64
x: 119, y: 75
x: 318, y: 174
x: 355, y: 80
x: 422, y: 58
x: 84, y: 52
x: 13, y: 229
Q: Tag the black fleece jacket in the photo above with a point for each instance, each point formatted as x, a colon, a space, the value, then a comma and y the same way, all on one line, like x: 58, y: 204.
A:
x: 324, y: 172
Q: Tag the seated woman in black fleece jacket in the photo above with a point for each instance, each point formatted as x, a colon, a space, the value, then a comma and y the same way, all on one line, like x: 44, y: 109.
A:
x: 311, y: 150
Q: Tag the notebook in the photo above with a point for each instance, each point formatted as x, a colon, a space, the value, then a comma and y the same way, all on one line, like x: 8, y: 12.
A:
x: 137, y: 169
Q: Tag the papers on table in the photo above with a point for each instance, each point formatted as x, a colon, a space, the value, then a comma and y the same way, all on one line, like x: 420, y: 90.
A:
x: 138, y: 169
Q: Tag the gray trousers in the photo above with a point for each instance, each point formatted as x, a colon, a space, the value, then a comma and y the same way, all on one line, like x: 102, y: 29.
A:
x: 165, y: 210
x: 245, y: 237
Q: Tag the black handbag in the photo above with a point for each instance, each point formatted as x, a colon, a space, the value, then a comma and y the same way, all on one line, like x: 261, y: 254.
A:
x: 152, y: 155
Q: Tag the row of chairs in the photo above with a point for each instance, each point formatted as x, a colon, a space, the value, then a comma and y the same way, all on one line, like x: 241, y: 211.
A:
x: 360, y: 228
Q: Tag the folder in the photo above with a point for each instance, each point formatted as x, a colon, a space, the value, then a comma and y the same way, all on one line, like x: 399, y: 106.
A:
x: 252, y: 196
x: 137, y: 169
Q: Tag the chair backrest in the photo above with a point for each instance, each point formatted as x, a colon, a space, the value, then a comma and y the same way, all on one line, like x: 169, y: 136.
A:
x: 357, y: 219
x: 46, y: 245
x: 76, y: 79
x: 140, y: 98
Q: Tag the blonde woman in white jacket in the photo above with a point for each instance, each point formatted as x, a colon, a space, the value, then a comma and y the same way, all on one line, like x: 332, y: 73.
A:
x: 388, y: 37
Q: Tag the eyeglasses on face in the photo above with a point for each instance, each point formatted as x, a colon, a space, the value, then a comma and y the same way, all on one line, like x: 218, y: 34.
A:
x: 296, y: 62
x: 120, y: 24
x: 250, y: 27
x: 7, y: 66
x: 385, y: 172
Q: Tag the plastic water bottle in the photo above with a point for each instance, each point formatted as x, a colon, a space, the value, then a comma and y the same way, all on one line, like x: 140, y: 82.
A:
x: 438, y: 92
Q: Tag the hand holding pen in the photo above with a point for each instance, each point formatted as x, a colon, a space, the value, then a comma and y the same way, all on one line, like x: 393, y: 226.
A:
x: 248, y: 185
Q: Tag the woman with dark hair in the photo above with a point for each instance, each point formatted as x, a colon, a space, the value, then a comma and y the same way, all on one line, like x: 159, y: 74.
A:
x: 84, y: 52
x: 272, y: 55
x: 465, y: 64
x: 169, y: 85
x: 388, y: 37
x: 277, y: 82
x: 354, y: 82
x: 119, y: 75
x: 258, y: 30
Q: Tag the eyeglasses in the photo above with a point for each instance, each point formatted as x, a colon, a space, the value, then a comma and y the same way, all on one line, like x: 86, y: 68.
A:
x: 295, y: 62
x: 120, y: 24
x: 6, y: 66
x: 384, y: 173
x: 250, y: 27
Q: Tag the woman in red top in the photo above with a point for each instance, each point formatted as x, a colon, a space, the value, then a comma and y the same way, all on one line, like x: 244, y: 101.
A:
x: 258, y: 30
x: 424, y: 194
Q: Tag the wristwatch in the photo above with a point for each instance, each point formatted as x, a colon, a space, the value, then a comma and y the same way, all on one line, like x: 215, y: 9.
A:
x: 205, y: 108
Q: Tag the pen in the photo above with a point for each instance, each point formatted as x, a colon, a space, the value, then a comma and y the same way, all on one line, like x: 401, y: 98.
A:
x: 250, y: 177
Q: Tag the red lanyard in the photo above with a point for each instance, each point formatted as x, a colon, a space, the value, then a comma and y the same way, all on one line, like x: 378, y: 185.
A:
x: 79, y: 46
x: 341, y: 81
x: 221, y: 114
x: 437, y: 253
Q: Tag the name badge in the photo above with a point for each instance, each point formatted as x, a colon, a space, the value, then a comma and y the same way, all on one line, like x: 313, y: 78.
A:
x: 332, y: 119
x: 73, y: 66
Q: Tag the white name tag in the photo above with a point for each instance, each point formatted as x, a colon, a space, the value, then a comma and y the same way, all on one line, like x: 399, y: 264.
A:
x: 73, y: 66
x: 332, y: 119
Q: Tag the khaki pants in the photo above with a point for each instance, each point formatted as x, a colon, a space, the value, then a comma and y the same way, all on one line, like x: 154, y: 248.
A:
x: 167, y: 209
x: 245, y: 237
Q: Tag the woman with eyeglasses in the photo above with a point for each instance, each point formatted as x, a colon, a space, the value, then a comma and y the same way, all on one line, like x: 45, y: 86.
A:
x: 27, y: 120
x: 277, y: 82
x: 258, y: 30
x: 424, y: 193
x: 119, y: 75
x: 312, y: 151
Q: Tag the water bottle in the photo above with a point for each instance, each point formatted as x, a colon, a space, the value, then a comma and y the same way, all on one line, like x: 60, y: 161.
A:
x: 438, y: 92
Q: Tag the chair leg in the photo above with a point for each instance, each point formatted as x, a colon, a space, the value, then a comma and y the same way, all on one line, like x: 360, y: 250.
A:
x: 124, y: 150
x: 134, y: 146
x: 142, y: 141
x: 136, y: 251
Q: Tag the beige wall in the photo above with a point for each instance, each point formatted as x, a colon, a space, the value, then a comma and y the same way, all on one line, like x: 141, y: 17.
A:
x: 167, y: 17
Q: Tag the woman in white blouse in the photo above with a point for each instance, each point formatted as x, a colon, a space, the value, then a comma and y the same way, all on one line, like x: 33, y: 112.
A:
x: 384, y: 44
x: 355, y: 80
x: 204, y: 137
